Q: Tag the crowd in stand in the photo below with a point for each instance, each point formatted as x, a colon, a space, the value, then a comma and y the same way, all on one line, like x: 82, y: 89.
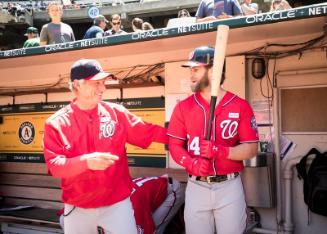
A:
x: 59, y: 32
x: 16, y: 8
x: 11, y: 7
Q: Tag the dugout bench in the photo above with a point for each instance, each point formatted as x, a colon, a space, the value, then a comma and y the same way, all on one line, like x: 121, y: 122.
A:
x: 31, y: 197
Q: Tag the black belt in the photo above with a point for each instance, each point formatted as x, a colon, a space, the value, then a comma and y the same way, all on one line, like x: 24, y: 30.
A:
x: 216, y: 178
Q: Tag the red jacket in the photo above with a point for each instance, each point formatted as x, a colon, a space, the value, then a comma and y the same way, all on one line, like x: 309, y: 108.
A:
x: 72, y: 132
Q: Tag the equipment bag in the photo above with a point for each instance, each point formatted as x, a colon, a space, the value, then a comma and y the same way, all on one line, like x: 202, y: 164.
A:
x: 314, y: 181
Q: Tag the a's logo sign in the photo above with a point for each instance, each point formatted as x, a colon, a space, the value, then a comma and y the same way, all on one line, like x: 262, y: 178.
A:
x: 26, y: 133
x: 229, y: 128
x: 108, y: 129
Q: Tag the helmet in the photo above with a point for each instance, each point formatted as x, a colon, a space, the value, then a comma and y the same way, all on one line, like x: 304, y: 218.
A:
x: 200, y: 56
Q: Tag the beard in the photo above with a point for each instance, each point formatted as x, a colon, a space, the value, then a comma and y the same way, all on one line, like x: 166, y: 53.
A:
x: 202, y: 83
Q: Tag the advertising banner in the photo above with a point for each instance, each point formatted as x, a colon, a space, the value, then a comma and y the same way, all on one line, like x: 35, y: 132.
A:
x: 21, y: 131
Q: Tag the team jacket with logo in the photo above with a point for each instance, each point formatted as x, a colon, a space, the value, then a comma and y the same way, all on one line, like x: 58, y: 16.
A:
x: 71, y: 132
x: 148, y: 194
x: 233, y: 124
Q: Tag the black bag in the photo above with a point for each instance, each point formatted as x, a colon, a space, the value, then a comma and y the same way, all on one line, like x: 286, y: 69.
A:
x: 314, y: 181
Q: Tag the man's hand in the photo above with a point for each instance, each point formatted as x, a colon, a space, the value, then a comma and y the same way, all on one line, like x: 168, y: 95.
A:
x: 200, y: 166
x: 210, y: 150
x: 206, y: 19
x: 206, y: 149
x: 99, y: 160
x: 223, y: 15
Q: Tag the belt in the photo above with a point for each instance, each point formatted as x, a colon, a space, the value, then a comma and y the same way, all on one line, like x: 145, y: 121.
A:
x: 216, y: 178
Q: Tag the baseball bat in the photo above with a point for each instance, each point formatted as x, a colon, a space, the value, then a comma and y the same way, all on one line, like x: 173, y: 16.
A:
x: 218, y: 64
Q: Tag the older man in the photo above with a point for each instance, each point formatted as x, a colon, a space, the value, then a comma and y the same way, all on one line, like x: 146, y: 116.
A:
x: 85, y: 146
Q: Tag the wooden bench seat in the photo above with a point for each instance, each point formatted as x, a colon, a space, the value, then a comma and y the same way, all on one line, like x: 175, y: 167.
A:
x: 28, y: 184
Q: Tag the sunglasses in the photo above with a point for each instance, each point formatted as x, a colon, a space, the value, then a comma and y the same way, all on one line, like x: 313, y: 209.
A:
x: 113, y: 23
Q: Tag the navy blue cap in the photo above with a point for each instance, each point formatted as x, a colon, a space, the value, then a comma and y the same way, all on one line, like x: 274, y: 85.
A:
x: 200, y: 56
x: 88, y: 69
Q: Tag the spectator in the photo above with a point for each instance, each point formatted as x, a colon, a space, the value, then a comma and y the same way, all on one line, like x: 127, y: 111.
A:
x: 183, y: 13
x: 155, y: 201
x: 279, y: 5
x: 147, y: 26
x: 77, y: 6
x: 137, y: 25
x: 209, y: 10
x: 115, y: 23
x: 33, y: 39
x: 249, y: 8
x: 118, y: 2
x: 56, y: 31
x: 20, y: 12
x: 144, y: 1
x: 183, y: 19
x: 97, y: 30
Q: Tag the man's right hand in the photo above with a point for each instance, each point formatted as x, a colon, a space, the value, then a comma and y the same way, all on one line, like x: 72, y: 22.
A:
x: 99, y: 160
x: 200, y: 166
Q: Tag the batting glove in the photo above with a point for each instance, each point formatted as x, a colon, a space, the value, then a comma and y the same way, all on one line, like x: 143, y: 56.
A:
x: 199, y: 166
x: 210, y: 150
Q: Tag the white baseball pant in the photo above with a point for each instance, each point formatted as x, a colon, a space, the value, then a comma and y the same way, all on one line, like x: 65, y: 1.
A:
x: 115, y: 219
x: 215, y: 206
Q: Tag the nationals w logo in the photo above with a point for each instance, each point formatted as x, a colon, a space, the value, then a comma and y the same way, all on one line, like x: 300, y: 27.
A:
x: 229, y: 128
x: 107, y: 129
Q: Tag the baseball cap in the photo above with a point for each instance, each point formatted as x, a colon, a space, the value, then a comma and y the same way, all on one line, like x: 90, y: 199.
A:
x: 99, y: 19
x: 200, y: 56
x: 31, y: 30
x: 88, y: 69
